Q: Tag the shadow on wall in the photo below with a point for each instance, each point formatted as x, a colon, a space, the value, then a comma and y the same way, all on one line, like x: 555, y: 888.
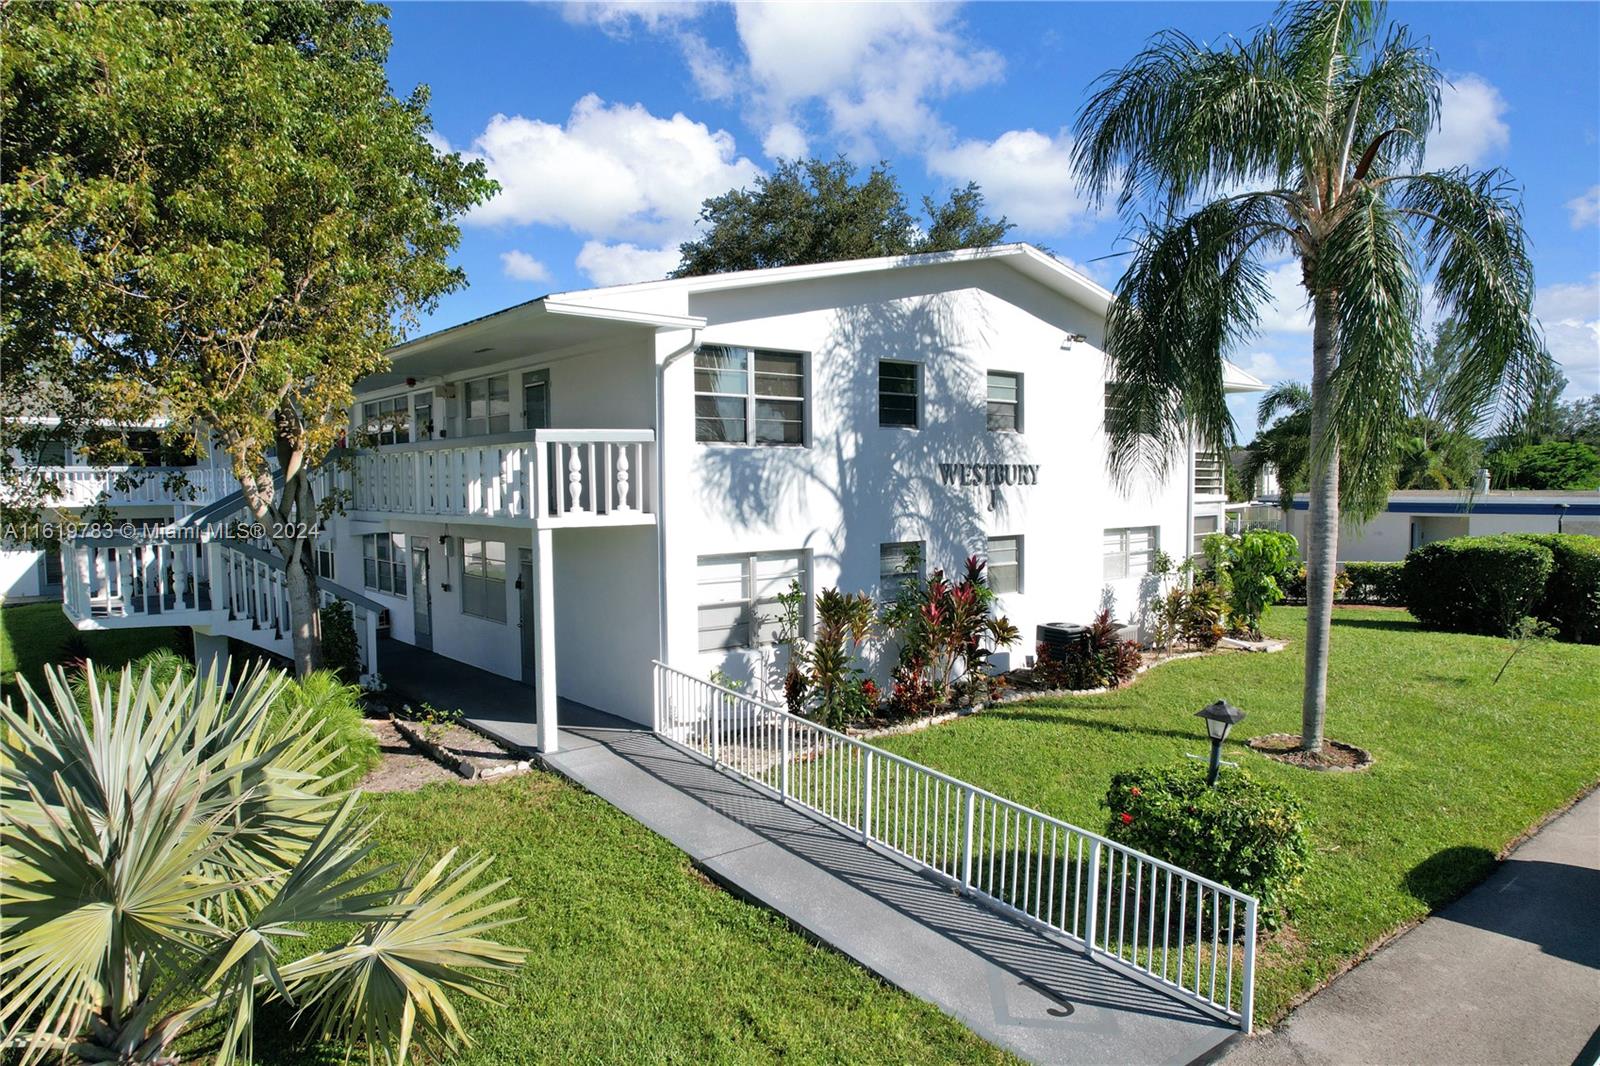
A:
x: 884, y: 483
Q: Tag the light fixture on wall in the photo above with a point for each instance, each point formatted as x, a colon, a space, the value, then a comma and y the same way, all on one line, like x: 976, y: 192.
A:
x: 1072, y: 338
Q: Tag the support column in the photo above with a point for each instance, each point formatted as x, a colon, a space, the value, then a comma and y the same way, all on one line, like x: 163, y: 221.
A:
x: 544, y: 639
x: 211, y: 654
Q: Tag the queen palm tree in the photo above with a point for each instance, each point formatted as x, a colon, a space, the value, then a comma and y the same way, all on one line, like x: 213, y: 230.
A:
x: 1305, y: 141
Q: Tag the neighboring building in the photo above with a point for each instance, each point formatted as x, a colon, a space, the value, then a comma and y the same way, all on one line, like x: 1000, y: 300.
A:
x: 145, y: 493
x: 1420, y: 516
x: 572, y: 487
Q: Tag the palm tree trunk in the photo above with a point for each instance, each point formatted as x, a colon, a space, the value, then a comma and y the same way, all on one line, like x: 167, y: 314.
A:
x: 1322, y: 545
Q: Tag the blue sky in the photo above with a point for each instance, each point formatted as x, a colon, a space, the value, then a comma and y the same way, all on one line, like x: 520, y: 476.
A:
x: 609, y: 123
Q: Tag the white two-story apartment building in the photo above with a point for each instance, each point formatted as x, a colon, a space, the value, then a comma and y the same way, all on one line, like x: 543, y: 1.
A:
x: 564, y: 491
x: 580, y: 484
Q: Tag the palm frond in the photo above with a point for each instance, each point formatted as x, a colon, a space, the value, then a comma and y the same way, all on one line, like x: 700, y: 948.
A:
x: 1470, y: 234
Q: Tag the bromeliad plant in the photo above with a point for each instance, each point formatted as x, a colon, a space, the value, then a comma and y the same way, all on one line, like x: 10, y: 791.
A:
x: 160, y: 852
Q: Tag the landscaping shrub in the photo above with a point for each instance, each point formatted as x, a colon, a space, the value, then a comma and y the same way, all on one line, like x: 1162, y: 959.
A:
x: 1476, y: 584
x: 1249, y: 568
x: 332, y: 706
x: 1374, y: 583
x: 341, y: 653
x: 1102, y: 660
x: 1191, y: 616
x: 1247, y: 834
x: 1571, y: 600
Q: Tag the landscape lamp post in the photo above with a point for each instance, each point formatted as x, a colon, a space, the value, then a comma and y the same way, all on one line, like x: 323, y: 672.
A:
x: 1220, y: 717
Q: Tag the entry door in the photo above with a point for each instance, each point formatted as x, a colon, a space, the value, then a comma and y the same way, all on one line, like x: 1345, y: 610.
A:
x: 525, y: 600
x: 421, y: 598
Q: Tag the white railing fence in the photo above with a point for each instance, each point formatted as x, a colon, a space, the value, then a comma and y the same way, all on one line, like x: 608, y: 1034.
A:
x: 84, y: 486
x: 1173, y: 928
x: 555, y: 476
x: 233, y: 587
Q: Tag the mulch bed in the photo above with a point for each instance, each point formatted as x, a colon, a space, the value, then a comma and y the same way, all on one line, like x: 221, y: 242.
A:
x: 1335, y: 755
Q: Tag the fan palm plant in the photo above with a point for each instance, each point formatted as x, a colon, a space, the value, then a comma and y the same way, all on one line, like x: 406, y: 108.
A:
x: 161, y: 853
x: 1305, y: 141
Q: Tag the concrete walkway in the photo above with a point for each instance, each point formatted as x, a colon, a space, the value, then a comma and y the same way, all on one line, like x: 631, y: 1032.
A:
x: 1012, y: 986
x: 1509, y: 973
x: 1009, y: 984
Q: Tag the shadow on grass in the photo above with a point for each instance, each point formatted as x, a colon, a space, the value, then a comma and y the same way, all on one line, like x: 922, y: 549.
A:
x: 1107, y: 724
x: 1401, y: 623
x: 1443, y: 876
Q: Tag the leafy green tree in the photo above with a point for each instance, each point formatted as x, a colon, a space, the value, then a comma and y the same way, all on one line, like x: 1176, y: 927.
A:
x: 1306, y: 140
x: 219, y: 214
x: 1555, y: 464
x: 816, y: 211
x: 163, y: 849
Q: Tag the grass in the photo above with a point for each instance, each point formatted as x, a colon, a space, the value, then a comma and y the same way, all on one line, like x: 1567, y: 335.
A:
x: 634, y: 957
x: 33, y: 635
x: 1463, y: 766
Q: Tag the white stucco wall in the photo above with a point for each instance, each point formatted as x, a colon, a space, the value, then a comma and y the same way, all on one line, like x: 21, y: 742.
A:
x: 858, y: 485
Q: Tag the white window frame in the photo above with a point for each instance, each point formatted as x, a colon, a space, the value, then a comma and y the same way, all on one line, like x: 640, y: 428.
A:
x: 477, y: 580
x: 1016, y: 405
x: 751, y: 397
x: 487, y: 422
x: 1197, y: 536
x: 890, y: 580
x: 1016, y: 567
x: 393, y: 568
x: 916, y: 394
x: 327, y: 563
x: 388, y: 419
x: 756, y: 611
x: 1120, y: 561
x: 419, y: 429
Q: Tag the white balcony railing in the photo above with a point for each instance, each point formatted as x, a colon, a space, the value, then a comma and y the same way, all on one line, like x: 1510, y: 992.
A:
x: 86, y: 486
x: 558, y: 477
x: 226, y: 586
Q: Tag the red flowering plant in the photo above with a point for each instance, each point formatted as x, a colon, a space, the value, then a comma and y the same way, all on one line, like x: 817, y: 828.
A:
x: 1247, y: 834
x: 946, y: 633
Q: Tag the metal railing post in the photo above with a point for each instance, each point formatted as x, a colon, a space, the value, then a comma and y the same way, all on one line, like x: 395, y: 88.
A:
x: 716, y: 726
x: 866, y: 795
x: 1094, y: 895
x: 968, y: 810
x: 655, y: 700
x: 783, y: 769
x: 1248, y: 1003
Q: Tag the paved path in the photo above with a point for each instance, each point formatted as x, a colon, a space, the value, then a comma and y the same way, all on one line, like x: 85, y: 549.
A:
x: 1009, y: 984
x: 1509, y: 973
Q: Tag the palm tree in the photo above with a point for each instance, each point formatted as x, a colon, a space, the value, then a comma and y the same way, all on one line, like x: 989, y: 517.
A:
x: 164, y: 844
x: 1283, y: 439
x: 1305, y: 141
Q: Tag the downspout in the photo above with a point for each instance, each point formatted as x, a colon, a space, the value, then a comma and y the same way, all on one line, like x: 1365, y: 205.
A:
x: 661, y: 495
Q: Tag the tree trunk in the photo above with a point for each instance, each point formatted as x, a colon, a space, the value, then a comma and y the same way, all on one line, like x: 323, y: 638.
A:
x: 300, y: 573
x: 1322, y: 543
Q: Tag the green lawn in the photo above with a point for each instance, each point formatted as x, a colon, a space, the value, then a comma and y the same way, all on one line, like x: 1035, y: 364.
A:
x: 1463, y: 766
x: 633, y: 957
x: 35, y: 634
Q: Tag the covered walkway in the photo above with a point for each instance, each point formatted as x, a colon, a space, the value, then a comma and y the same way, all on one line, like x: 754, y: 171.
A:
x: 1013, y: 986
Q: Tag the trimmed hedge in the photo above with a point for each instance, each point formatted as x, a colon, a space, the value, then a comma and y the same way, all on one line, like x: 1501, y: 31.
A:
x: 1571, y: 600
x: 1476, y: 584
x: 1375, y: 583
x: 1250, y: 835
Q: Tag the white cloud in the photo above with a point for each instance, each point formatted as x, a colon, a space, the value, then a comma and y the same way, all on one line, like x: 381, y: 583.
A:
x: 1263, y: 365
x: 714, y: 74
x: 1290, y: 310
x: 619, y: 264
x: 523, y: 267
x: 1471, y: 129
x: 1585, y: 209
x: 613, y: 171
x: 785, y: 141
x: 1570, y: 315
x: 874, y: 68
x: 1026, y: 175
x: 617, y: 17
